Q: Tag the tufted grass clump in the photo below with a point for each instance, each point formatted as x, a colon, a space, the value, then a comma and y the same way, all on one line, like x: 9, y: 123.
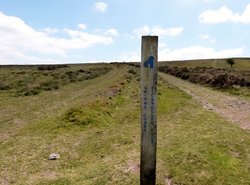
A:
x: 96, y: 113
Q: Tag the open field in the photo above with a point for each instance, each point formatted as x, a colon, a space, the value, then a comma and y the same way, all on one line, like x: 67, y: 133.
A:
x: 89, y: 114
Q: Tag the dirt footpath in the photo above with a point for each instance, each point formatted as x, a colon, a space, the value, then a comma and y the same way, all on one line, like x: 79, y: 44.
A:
x: 232, y: 108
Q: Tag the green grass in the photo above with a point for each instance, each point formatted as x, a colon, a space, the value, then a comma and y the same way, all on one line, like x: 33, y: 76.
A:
x: 94, y: 126
x: 243, y: 92
x: 199, y: 147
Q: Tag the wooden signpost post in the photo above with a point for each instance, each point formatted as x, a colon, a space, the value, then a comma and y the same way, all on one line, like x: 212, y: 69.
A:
x: 149, y: 57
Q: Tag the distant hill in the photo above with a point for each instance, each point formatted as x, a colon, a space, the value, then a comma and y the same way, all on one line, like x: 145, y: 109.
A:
x: 240, y: 63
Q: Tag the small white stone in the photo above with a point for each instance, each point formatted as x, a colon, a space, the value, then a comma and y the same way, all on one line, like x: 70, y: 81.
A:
x: 54, y: 156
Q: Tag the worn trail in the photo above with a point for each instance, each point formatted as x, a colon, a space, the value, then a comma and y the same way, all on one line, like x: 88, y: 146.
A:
x: 232, y: 108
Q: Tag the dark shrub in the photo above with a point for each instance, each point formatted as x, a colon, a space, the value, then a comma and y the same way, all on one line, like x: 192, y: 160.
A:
x: 4, y: 86
x: 28, y: 90
x: 50, y: 67
x: 131, y: 71
x: 49, y: 85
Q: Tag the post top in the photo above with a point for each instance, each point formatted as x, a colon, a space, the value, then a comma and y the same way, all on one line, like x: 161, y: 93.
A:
x: 149, y: 36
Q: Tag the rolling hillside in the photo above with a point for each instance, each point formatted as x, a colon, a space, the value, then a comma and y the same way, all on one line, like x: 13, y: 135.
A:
x: 89, y: 114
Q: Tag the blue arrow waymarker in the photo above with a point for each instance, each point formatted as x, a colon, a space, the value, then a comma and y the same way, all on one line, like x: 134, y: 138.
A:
x: 149, y: 62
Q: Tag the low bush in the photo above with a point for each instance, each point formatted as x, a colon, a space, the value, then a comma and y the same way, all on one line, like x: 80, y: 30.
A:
x: 50, y: 67
x: 28, y: 90
x: 219, y: 78
x: 49, y: 85
x: 4, y: 86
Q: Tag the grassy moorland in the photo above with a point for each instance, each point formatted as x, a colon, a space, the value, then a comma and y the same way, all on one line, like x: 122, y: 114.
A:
x: 93, y: 123
x: 240, y: 63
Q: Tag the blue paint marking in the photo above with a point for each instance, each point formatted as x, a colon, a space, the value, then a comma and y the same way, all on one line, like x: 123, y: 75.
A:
x: 149, y: 62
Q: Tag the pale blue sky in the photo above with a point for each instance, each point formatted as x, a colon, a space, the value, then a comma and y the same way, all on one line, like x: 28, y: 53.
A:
x: 74, y: 31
